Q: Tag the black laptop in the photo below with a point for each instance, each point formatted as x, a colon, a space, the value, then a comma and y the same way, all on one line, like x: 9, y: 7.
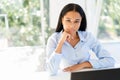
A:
x: 97, y: 74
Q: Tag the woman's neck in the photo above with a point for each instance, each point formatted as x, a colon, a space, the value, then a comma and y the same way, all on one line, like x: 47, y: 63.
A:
x: 75, y: 35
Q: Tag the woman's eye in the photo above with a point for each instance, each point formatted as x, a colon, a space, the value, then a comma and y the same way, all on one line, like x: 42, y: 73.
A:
x: 68, y: 20
x: 77, y: 21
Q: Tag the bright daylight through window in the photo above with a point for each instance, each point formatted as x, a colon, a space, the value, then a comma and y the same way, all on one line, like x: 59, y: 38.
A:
x: 109, y: 25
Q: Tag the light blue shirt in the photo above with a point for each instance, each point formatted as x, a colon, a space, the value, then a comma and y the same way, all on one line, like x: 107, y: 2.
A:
x: 78, y: 54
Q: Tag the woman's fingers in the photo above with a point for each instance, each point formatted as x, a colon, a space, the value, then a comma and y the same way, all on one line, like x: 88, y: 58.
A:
x: 67, y: 69
x: 66, y: 37
x: 69, y: 37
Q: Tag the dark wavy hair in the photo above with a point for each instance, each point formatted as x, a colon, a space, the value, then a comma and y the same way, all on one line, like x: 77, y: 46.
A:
x: 72, y: 7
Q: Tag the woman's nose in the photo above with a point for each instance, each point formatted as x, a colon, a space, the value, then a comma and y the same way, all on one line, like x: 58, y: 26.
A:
x: 72, y: 25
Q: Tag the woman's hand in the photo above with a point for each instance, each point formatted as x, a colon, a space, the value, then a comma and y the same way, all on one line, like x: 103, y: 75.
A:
x: 72, y: 68
x: 78, y: 67
x: 65, y: 37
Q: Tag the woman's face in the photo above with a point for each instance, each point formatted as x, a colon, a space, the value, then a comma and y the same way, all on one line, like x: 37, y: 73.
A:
x: 71, y: 21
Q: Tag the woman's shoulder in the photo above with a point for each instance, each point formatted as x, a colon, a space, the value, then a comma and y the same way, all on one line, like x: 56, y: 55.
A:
x: 54, y: 35
x: 86, y: 36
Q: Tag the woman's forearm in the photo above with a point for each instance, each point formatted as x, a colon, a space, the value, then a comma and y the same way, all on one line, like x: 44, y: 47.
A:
x: 78, y: 67
x: 59, y: 47
x: 85, y: 65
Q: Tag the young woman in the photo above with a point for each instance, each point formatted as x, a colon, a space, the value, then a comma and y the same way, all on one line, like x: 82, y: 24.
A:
x: 70, y: 44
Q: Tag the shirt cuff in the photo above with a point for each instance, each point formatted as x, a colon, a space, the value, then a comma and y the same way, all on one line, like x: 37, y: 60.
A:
x: 56, y: 55
x: 94, y: 63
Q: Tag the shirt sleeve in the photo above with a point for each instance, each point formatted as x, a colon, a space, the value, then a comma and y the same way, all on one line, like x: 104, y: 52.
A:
x: 53, y: 58
x: 104, y: 58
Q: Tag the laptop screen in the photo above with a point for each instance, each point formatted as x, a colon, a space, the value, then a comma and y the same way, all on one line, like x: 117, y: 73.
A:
x: 99, y: 74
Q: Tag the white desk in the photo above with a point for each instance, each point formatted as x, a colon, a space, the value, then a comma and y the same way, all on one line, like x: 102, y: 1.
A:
x: 33, y: 76
x: 66, y: 75
x: 59, y: 76
x: 21, y: 75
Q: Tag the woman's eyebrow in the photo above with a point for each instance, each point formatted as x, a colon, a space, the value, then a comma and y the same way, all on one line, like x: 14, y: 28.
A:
x: 68, y: 18
x: 77, y: 19
x: 71, y: 18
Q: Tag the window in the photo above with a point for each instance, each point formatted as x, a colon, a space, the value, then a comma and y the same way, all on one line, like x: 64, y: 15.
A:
x: 109, y: 26
x: 21, y: 38
x: 25, y: 19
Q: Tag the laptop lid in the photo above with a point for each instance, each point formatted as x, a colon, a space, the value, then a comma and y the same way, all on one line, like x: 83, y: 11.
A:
x: 97, y: 74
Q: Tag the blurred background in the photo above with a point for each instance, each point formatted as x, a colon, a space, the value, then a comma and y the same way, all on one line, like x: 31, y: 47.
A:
x: 25, y: 26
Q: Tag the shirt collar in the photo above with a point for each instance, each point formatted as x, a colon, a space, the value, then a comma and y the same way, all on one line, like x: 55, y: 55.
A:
x: 81, y: 36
